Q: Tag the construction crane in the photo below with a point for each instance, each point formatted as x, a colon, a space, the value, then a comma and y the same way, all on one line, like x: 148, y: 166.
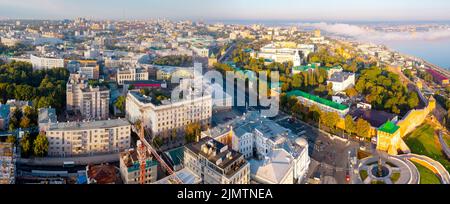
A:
x: 152, y: 151
x: 142, y: 156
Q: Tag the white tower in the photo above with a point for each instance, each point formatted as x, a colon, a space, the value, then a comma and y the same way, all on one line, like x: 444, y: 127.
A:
x: 297, y: 59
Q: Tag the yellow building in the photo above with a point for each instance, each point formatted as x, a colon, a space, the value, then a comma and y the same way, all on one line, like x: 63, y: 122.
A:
x: 212, y: 60
x: 388, y: 138
x: 317, y: 34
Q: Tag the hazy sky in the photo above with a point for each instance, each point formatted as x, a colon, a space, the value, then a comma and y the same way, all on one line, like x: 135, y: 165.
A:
x: 373, y: 10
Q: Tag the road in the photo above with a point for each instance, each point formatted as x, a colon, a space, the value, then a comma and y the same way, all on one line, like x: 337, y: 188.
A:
x: 227, y: 54
x: 441, y: 171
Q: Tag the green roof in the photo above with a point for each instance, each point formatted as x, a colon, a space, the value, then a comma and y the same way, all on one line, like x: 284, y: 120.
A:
x: 317, y: 99
x: 389, y: 127
x: 314, y: 66
x: 136, y: 165
x: 176, y: 155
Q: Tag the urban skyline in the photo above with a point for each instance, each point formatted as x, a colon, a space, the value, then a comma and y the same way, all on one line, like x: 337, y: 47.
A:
x: 286, y: 10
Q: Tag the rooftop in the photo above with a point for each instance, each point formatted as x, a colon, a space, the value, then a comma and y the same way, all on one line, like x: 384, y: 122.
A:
x: 101, y: 124
x: 314, y: 66
x: 389, y: 127
x: 317, y: 99
x: 340, y: 76
x: 274, y: 168
x: 185, y: 175
x: 131, y: 160
x: 216, y: 152
x: 376, y: 118
x: 176, y: 155
x: 103, y: 174
x: 437, y: 75
x: 4, y: 111
x: 47, y: 115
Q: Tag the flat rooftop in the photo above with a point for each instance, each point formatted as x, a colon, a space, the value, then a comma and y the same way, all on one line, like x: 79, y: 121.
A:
x: 100, y: 124
x: 47, y: 115
x: 376, y: 118
x: 317, y: 99
x: 340, y: 76
x: 185, y: 175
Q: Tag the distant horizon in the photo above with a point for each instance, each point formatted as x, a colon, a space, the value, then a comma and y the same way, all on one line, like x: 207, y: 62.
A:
x: 231, y: 10
x: 246, y: 21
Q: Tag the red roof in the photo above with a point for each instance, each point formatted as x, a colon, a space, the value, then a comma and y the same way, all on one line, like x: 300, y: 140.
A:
x: 436, y: 75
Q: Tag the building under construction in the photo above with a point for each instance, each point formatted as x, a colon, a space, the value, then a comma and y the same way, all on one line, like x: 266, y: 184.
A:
x: 137, y: 166
x: 7, y: 163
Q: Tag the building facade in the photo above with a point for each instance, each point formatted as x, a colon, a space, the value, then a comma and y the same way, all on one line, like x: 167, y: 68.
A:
x: 88, y: 138
x: 90, y: 102
x: 131, y: 74
x: 91, y: 72
x: 95, y: 103
x: 341, y: 81
x: 323, y: 104
x: 214, y: 163
x: 165, y: 116
x: 46, y: 63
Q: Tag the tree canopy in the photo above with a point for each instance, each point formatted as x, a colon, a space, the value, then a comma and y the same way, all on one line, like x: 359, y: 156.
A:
x: 385, y: 91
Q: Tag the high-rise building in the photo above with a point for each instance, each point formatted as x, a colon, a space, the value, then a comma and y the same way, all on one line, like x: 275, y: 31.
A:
x: 90, y: 102
x: 74, y: 86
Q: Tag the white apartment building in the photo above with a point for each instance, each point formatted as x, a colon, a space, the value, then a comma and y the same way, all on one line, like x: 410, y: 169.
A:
x: 46, y: 63
x: 281, y: 54
x: 341, y: 81
x: 90, y: 102
x: 130, y: 166
x: 131, y: 74
x: 74, y: 85
x: 214, y: 163
x: 95, y: 103
x: 88, y: 138
x: 166, y: 115
x: 201, y: 51
x: 91, y: 72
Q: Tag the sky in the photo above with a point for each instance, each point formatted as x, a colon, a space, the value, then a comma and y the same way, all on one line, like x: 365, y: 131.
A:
x: 290, y: 10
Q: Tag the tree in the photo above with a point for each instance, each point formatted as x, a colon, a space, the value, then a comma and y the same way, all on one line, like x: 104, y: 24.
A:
x: 157, y: 141
x: 11, y: 139
x: 192, y: 132
x: 25, y: 144
x: 363, y: 128
x: 413, y: 100
x: 174, y: 134
x: 25, y: 122
x: 350, y: 125
x: 15, y: 119
x: 40, y: 145
x: 351, y: 92
x: 120, y: 103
